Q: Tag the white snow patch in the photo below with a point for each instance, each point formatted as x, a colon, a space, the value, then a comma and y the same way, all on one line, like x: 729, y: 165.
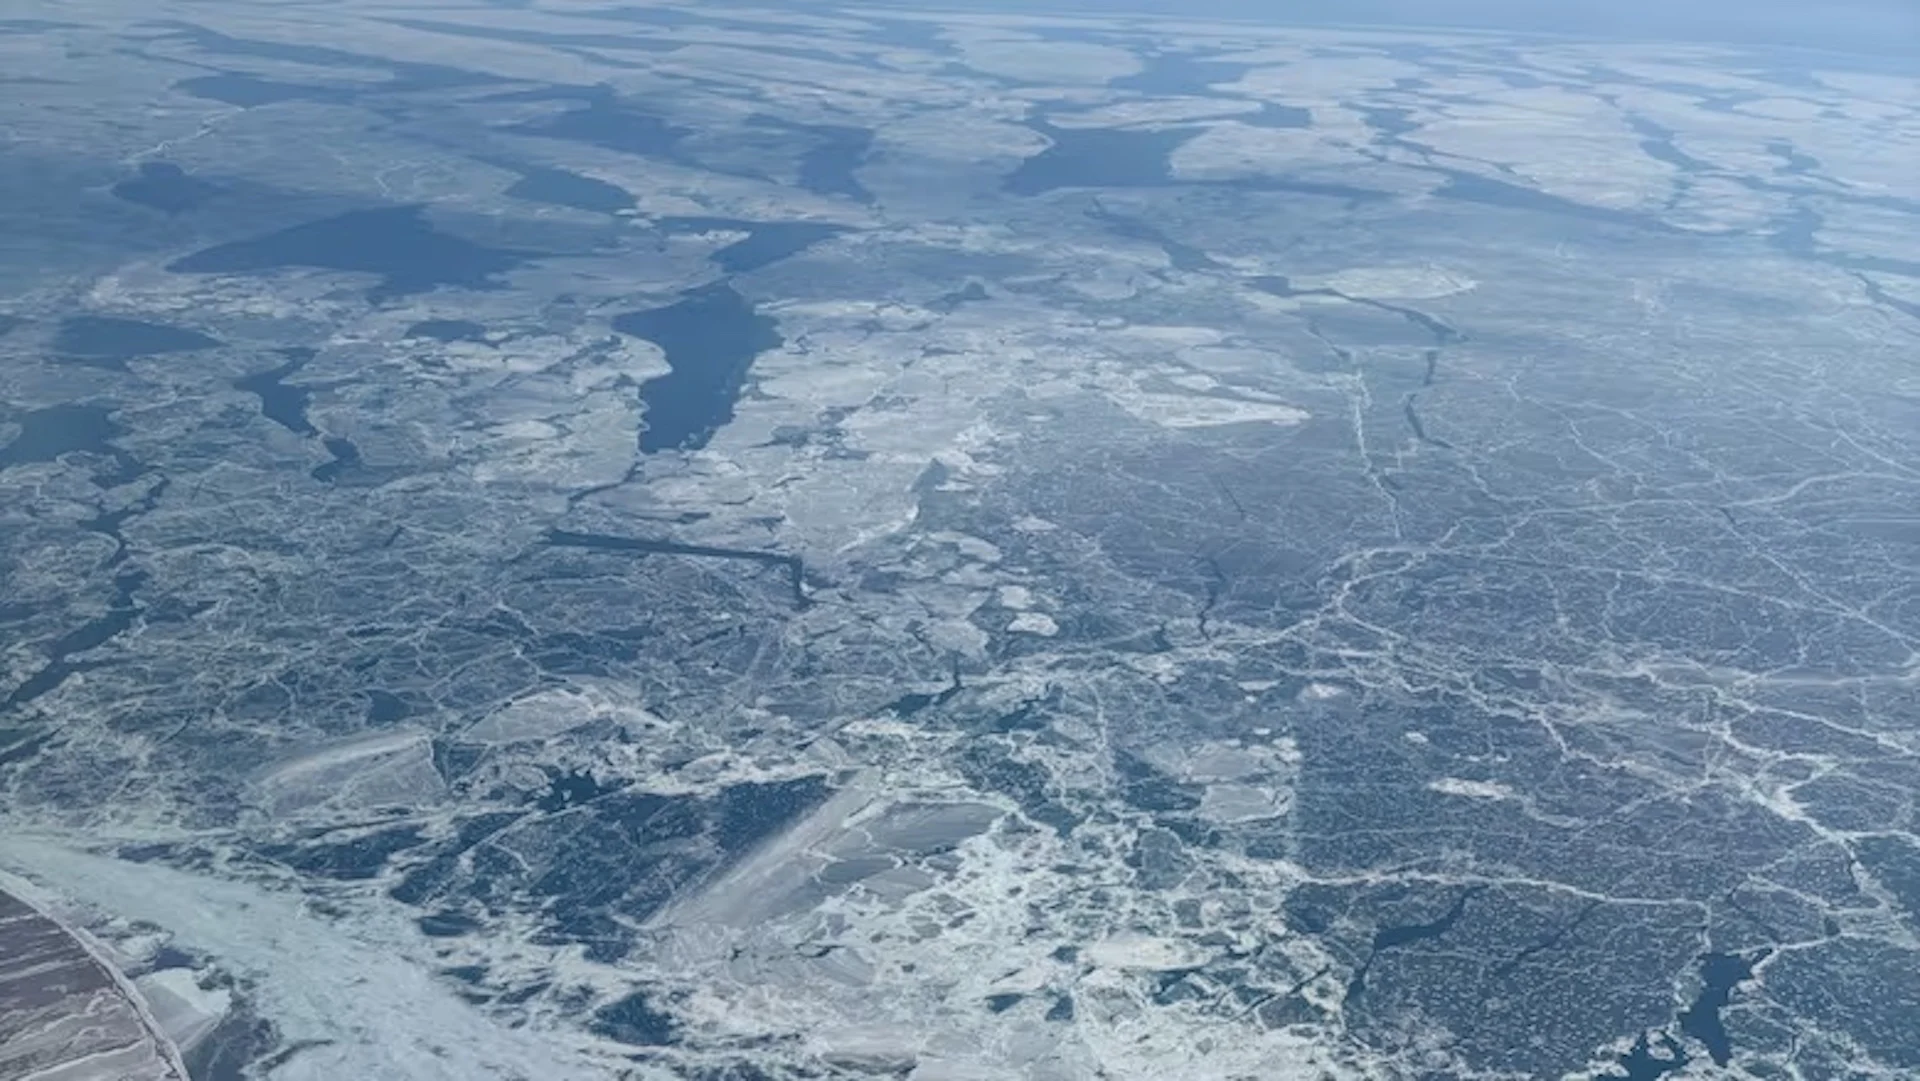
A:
x: 1149, y: 953
x: 391, y: 769
x: 1034, y: 623
x: 1425, y: 282
x: 186, y: 1012
x: 352, y: 992
x: 548, y: 713
x: 1202, y: 411
x: 1229, y: 803
x: 1454, y: 786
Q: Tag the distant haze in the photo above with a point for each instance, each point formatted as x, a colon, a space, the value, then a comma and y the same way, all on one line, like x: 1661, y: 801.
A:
x: 1889, y: 28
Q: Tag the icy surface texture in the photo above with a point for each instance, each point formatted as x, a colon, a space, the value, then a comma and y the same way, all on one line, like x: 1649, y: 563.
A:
x: 557, y: 540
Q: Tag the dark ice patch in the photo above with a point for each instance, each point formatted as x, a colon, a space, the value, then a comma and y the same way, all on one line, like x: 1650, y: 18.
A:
x: 1289, y: 1009
x: 1720, y: 973
x: 353, y: 860
x: 1642, y: 1063
x: 1895, y: 862
x: 1657, y: 143
x: 1399, y: 936
x: 1275, y: 115
x: 385, y: 708
x: 834, y: 153
x: 558, y: 187
x: 566, y: 790
x: 1865, y: 985
x: 283, y: 404
x: 235, y: 1048
x: 913, y: 702
x: 346, y: 458
x: 396, y: 243
x: 147, y: 853
x: 678, y: 18
x: 605, y: 123
x: 1172, y: 75
x: 1027, y: 717
x: 169, y: 957
x: 1387, y: 938
x: 1180, y: 256
x: 1114, y: 158
x: 165, y: 186
x: 1390, y: 123
x: 1147, y: 788
x: 748, y: 813
x: 1160, y: 859
x: 633, y: 1020
x: 440, y: 875
x: 989, y: 765
x: 119, y: 617
x: 250, y: 92
x: 830, y: 167
x: 1473, y: 188
x: 1793, y: 161
x: 406, y: 75
x: 46, y: 434
x: 1098, y: 158
x: 623, y: 847
x: 570, y: 653
x: 563, y: 39
x: 766, y: 242
x: 34, y: 26
x: 109, y: 342
x: 18, y: 745
x: 447, y: 924
x: 710, y: 337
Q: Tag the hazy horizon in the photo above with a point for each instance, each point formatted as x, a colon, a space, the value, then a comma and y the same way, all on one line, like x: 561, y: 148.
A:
x: 1887, y: 29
